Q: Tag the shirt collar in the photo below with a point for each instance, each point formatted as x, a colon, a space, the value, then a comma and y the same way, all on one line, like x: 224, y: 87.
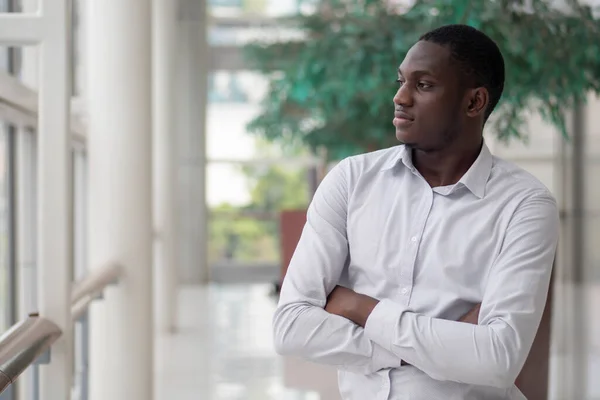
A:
x: 402, y: 154
x: 477, y: 176
x: 475, y: 179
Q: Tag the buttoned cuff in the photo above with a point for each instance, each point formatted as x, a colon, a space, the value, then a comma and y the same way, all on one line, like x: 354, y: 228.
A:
x: 381, y: 324
x: 383, y: 359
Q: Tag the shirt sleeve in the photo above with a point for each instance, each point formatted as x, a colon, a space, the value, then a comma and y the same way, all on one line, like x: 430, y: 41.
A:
x: 301, y: 326
x: 493, y: 352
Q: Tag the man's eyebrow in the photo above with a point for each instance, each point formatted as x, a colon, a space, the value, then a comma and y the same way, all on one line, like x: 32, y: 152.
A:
x: 417, y: 72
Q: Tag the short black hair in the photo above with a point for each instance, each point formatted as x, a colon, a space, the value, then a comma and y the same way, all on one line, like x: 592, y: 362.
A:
x: 477, y: 54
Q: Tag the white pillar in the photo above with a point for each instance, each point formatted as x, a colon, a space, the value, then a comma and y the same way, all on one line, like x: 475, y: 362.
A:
x: 192, y: 98
x: 164, y: 40
x: 27, y: 208
x: 118, y: 95
x: 54, y: 197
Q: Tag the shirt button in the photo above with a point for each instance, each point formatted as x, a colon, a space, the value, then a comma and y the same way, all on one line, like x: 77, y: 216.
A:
x: 413, y: 239
x: 404, y: 291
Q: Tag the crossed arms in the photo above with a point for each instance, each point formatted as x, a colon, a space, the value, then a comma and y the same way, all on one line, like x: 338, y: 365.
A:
x: 364, y: 335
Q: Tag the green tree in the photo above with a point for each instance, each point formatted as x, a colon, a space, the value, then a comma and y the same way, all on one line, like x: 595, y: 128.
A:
x: 277, y: 188
x: 251, y: 232
x: 333, y: 88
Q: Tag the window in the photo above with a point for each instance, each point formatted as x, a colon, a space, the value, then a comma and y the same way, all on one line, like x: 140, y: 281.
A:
x: 244, y: 213
x: 249, y: 181
x: 270, y: 8
x: 9, y: 65
x: 6, y: 274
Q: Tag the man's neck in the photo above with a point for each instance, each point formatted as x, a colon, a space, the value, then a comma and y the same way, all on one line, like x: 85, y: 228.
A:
x: 447, y: 166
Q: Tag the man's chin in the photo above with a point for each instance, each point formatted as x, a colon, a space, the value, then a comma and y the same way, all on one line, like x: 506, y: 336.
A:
x: 406, y: 137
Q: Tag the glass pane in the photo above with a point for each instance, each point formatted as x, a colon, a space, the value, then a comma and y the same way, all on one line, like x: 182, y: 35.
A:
x: 10, y: 60
x: 237, y: 239
x: 18, y: 6
x: 79, y: 192
x: 77, y: 48
x: 239, y: 35
x: 4, y: 59
x: 236, y: 87
x: 6, y: 299
x: 234, y: 101
x: 233, y: 94
x: 26, y: 148
x: 271, y: 8
x: 244, y: 213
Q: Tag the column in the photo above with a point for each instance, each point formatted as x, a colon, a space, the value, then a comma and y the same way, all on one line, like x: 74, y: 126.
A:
x: 54, y: 233
x: 166, y: 264
x: 118, y: 92
x: 192, y: 83
x: 27, y: 210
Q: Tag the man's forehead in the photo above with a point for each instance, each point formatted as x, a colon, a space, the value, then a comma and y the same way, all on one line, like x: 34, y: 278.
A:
x: 426, y: 56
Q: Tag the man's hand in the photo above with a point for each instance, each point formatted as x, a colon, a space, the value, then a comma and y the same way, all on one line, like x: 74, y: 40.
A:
x: 340, y: 301
x: 472, y: 317
x: 351, y: 305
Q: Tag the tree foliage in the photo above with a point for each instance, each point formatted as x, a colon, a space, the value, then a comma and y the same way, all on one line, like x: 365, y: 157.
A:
x: 333, y: 87
x: 235, y: 236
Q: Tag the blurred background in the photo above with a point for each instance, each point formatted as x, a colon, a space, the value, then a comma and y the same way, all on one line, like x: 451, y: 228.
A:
x: 157, y: 158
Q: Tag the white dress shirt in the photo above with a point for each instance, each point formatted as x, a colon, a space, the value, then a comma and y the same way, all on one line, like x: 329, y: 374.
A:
x: 428, y: 255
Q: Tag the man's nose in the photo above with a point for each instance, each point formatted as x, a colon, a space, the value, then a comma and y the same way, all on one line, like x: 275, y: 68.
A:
x: 403, y: 96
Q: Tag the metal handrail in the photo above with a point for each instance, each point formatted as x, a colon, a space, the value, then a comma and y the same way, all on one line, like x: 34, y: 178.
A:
x: 27, y: 340
x: 22, y: 344
x: 91, y: 287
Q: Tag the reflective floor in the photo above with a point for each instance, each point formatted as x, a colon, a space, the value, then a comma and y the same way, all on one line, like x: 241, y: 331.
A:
x: 223, y: 351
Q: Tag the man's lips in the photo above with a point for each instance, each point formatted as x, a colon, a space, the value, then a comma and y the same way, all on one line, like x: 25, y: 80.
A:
x: 403, y: 115
x: 402, y: 119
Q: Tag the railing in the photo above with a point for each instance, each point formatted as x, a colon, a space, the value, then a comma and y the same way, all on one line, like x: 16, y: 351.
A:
x: 24, y: 343
x: 28, y: 341
x: 91, y: 287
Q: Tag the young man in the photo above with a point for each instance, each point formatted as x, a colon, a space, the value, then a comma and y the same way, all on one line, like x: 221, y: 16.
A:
x: 401, y: 243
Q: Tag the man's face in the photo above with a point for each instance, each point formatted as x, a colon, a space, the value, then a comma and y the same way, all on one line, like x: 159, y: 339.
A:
x: 430, y: 98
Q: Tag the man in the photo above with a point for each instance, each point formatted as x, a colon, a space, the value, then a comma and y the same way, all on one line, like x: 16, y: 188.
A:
x: 401, y: 243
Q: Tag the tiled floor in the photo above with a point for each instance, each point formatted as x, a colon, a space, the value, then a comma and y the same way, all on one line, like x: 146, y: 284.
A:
x: 224, y: 351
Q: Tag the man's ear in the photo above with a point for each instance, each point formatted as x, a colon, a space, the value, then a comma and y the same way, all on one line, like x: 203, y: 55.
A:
x: 479, y: 99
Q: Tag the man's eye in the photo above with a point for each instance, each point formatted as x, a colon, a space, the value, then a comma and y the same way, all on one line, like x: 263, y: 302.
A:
x: 400, y: 81
x: 425, y: 85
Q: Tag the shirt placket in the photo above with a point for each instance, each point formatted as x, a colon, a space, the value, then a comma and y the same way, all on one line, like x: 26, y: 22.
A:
x: 415, y: 236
